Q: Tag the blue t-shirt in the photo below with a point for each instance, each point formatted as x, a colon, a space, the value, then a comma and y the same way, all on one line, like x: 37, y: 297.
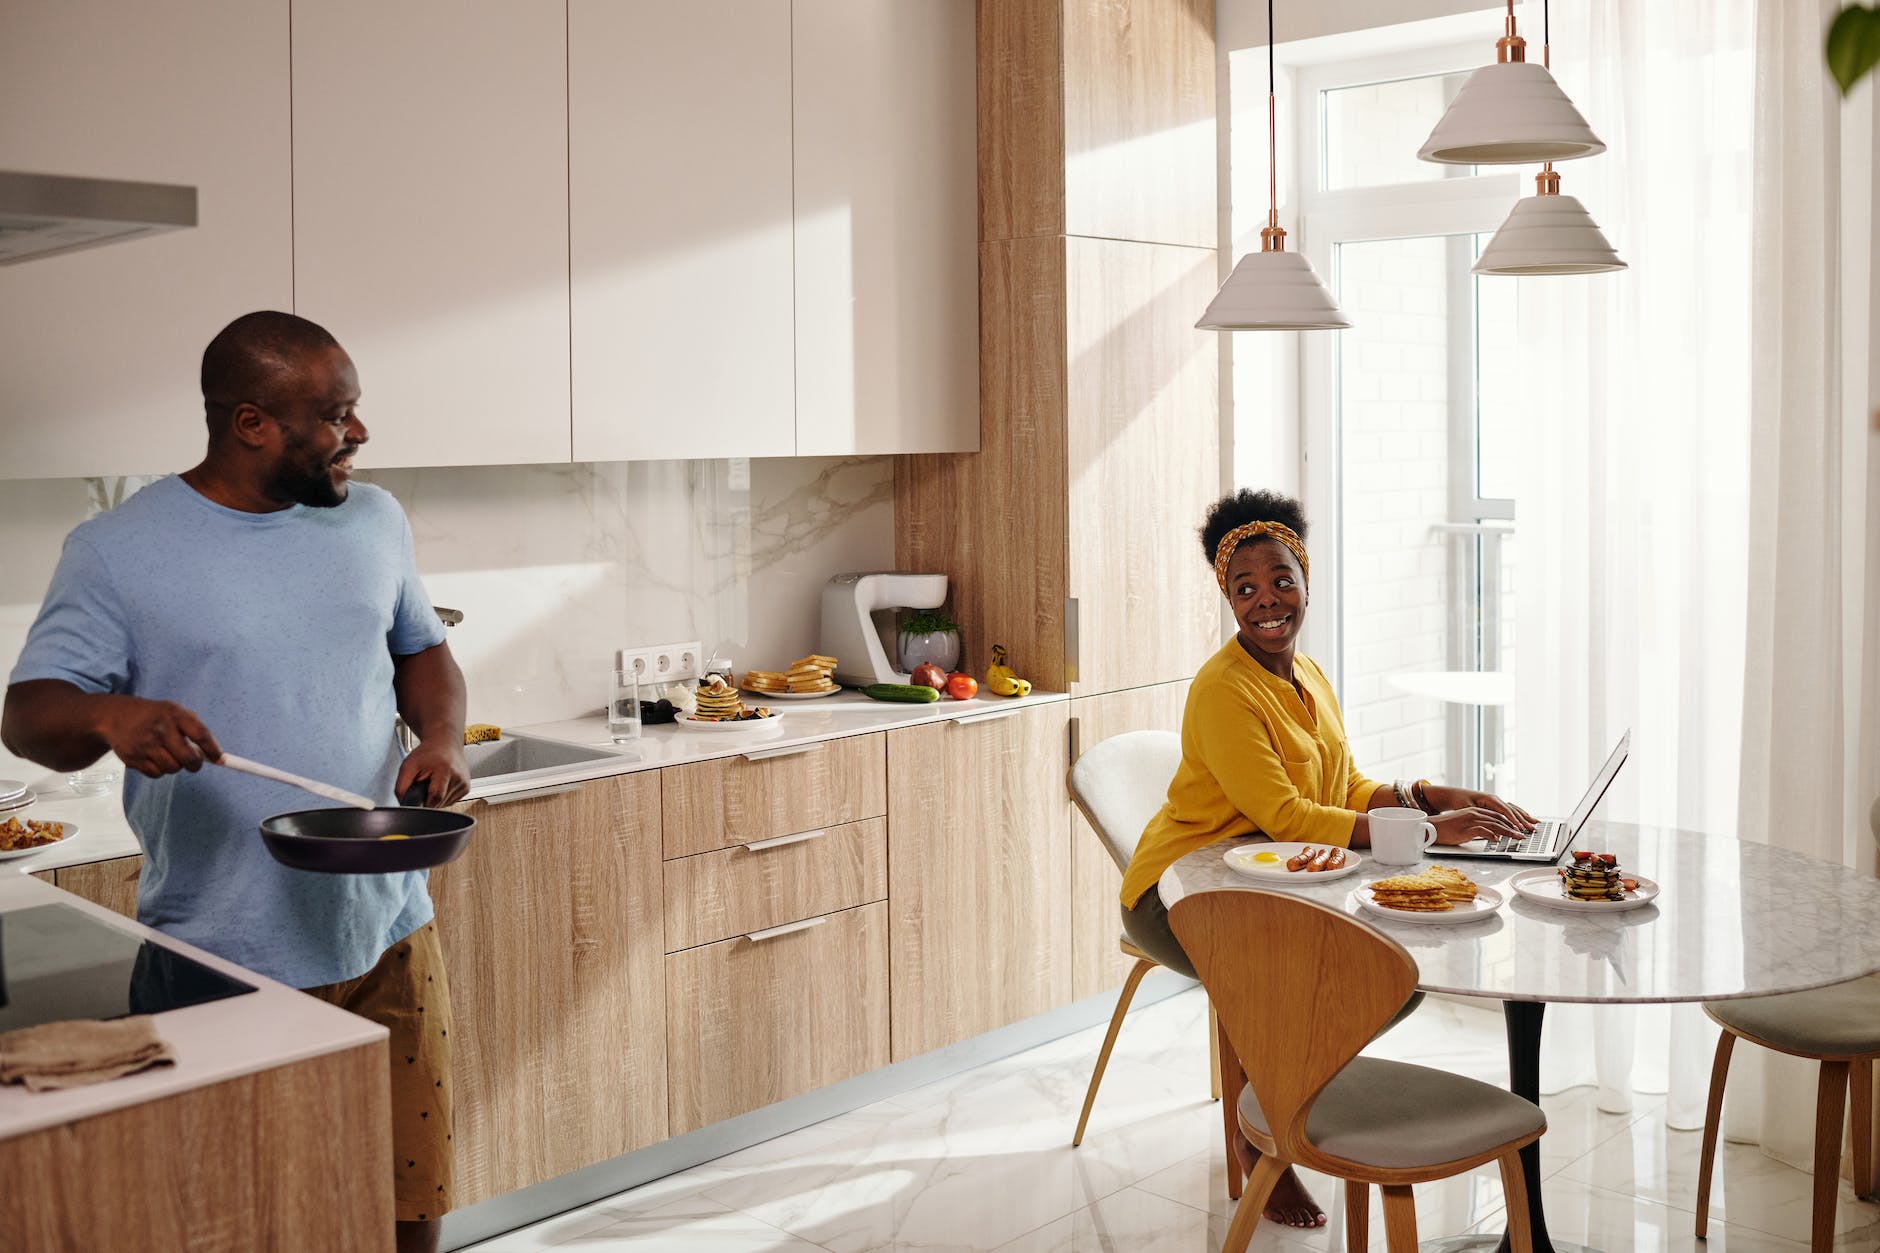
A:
x: 278, y: 630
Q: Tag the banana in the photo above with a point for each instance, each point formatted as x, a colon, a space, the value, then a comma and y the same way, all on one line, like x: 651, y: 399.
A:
x: 1001, y: 680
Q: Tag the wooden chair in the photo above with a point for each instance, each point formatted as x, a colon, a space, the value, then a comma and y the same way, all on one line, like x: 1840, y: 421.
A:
x: 1300, y: 988
x: 1839, y: 1027
x: 1118, y: 785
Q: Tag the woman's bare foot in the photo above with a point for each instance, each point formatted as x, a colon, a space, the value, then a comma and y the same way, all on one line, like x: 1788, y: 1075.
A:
x: 1292, y: 1205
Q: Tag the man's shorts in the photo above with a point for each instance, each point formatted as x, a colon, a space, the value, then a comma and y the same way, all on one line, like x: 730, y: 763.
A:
x: 408, y: 995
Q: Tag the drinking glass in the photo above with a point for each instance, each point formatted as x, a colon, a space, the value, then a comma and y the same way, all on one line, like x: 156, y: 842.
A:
x: 623, y: 707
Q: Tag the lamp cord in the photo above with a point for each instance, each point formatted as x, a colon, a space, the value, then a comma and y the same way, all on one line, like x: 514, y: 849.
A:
x: 1272, y: 128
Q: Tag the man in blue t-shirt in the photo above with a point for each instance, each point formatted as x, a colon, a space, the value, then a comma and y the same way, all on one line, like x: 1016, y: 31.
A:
x: 263, y: 602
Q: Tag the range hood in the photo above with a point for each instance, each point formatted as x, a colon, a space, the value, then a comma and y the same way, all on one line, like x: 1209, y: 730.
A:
x: 42, y: 215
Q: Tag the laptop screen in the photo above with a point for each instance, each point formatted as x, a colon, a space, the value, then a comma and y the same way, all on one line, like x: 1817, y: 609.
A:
x: 1607, y: 772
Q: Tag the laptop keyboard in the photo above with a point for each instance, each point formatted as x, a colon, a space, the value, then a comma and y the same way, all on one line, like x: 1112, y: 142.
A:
x: 1540, y: 840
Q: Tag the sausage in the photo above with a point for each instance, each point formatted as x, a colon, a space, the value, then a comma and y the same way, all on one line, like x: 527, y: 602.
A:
x: 1299, y: 862
x: 1320, y: 860
x: 1337, y: 861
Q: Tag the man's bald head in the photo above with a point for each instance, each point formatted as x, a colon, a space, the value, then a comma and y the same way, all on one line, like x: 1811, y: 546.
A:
x: 257, y: 358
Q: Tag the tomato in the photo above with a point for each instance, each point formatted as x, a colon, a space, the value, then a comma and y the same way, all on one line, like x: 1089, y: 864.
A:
x: 930, y: 675
x: 962, y: 686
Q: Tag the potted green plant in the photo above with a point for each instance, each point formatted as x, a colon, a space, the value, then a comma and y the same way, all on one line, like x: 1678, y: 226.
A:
x: 928, y: 637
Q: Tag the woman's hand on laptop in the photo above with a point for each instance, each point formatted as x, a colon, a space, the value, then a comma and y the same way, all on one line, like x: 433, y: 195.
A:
x: 1473, y: 822
x: 1447, y: 798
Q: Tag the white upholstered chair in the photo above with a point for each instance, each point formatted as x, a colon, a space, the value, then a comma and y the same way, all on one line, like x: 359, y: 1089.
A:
x: 1839, y: 1026
x: 1118, y: 785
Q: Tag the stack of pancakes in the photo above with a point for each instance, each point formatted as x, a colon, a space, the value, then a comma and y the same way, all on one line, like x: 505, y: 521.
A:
x: 1593, y: 877
x: 807, y: 676
x: 718, y: 701
x: 1459, y: 888
x: 1414, y: 893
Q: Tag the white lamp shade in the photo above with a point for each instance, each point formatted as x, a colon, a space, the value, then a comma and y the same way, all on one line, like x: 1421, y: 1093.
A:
x: 1511, y: 113
x: 1548, y: 235
x: 1273, y: 291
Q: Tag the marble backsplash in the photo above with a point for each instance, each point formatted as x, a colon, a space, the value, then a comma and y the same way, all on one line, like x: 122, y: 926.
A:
x: 557, y: 566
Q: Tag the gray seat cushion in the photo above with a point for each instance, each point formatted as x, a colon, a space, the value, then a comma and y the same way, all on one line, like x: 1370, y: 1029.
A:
x: 1399, y: 1116
x: 1842, y: 1020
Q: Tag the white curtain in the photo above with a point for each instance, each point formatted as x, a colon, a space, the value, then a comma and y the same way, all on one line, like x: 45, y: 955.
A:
x: 1633, y: 534
x: 1812, y: 676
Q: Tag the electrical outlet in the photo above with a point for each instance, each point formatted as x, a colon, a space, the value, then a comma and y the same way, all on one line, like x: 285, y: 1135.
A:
x: 663, y: 663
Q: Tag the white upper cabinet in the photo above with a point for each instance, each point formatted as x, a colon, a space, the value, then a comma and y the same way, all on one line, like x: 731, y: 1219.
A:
x: 887, y: 287
x: 680, y: 237
x: 431, y: 219
x: 100, y: 349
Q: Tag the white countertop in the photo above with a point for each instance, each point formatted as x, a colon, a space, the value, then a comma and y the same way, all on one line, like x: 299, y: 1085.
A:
x: 242, y: 1035
x: 104, y: 833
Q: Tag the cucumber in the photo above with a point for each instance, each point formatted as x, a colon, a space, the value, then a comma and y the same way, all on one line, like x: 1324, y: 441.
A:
x: 910, y: 693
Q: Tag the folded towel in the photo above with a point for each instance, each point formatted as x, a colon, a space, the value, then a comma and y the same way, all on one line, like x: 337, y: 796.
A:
x: 72, y: 1054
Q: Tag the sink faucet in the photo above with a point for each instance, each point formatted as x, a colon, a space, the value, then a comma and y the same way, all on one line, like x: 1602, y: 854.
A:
x: 407, y: 739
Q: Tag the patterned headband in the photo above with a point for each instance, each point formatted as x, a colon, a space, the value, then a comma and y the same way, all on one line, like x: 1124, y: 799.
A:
x: 1224, y: 551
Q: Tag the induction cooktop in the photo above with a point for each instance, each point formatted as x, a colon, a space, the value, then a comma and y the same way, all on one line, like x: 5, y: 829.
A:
x: 58, y: 963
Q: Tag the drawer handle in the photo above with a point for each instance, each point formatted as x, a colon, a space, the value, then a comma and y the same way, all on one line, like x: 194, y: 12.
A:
x: 765, y: 754
x: 758, y: 937
x: 529, y: 795
x: 758, y: 846
x: 992, y: 715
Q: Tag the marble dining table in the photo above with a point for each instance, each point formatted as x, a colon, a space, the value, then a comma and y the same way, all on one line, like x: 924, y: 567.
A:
x: 1731, y: 919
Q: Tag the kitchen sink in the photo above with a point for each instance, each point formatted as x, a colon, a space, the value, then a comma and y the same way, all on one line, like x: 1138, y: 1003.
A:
x: 522, y: 754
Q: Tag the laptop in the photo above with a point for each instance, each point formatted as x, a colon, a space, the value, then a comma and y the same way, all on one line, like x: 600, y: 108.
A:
x: 1549, y: 840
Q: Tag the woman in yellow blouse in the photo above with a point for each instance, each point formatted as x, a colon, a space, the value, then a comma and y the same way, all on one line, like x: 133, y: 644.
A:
x: 1264, y: 751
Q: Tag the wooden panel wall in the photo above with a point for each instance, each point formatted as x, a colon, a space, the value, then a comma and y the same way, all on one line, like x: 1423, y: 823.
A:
x: 1139, y: 143
x: 1096, y: 963
x: 1144, y: 447
x: 1021, y: 118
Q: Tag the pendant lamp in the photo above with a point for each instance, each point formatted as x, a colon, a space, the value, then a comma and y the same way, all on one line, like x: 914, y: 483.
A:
x: 1272, y: 289
x: 1510, y: 113
x: 1548, y: 233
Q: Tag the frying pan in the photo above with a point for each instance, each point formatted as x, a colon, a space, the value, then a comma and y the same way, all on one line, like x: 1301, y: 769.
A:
x: 346, y: 841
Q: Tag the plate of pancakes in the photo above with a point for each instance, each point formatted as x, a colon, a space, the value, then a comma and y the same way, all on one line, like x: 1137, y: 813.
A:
x: 1435, y: 894
x: 1553, y: 887
x: 806, y: 678
x: 718, y: 707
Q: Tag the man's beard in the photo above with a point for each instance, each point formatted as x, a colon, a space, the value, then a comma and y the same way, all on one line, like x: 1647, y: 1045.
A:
x: 304, y: 478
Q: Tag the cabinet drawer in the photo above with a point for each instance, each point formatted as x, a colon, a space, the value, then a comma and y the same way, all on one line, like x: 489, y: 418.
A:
x: 755, y: 886
x: 737, y: 800
x: 753, y: 1021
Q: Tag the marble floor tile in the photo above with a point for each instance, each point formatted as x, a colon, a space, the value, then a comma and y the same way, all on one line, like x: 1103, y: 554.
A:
x: 698, y: 1225
x: 1749, y: 1190
x: 1134, y: 1221
x: 1576, y: 1125
x: 1618, y: 1223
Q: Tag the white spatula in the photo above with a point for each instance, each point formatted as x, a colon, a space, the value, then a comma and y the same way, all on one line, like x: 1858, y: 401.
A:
x: 327, y: 790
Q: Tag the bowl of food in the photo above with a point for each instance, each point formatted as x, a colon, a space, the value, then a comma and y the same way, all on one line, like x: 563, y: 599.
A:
x: 367, y: 841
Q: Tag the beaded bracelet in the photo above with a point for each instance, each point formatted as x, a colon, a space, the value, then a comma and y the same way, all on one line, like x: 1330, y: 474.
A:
x: 1404, y: 799
x: 1422, y: 797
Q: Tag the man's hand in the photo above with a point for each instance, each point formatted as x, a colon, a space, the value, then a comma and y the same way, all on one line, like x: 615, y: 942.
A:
x: 439, y: 764
x: 154, y: 737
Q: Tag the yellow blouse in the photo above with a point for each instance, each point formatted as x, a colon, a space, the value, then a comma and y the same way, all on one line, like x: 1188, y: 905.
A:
x: 1257, y: 756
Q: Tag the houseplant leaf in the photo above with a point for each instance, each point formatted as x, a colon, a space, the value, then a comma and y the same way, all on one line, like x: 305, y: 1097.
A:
x: 1853, y: 45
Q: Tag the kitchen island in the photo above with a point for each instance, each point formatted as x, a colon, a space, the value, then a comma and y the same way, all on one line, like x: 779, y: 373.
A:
x: 271, y: 1130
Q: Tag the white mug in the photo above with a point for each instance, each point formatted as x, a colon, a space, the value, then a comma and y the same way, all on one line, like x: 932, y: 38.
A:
x: 1399, y: 836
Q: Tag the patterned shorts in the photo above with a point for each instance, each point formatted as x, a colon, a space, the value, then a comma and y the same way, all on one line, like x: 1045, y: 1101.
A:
x: 408, y: 994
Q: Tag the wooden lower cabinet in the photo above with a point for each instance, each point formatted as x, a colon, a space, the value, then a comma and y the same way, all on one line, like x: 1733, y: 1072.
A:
x: 289, y: 1158
x: 112, y: 884
x: 1097, y: 965
x: 553, y: 933
x: 979, y: 870
x: 761, y: 1018
x: 734, y: 891
x: 763, y: 793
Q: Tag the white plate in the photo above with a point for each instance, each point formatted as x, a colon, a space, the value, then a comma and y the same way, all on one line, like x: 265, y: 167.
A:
x: 692, y: 723
x: 11, y: 789
x: 1542, y: 886
x: 1241, y: 858
x: 1487, y: 901
x: 13, y: 804
x: 68, y: 831
x: 751, y: 691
